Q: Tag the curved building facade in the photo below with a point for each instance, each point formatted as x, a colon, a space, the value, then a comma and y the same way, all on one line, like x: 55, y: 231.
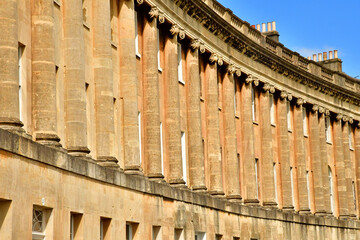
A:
x: 170, y: 119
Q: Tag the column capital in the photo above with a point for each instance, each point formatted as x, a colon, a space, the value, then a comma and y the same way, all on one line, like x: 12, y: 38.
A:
x: 321, y: 110
x: 197, y: 44
x: 290, y: 97
x: 358, y: 125
x: 283, y: 95
x: 266, y: 87
x: 300, y: 101
x: 238, y: 72
x: 327, y: 112
x: 272, y: 89
x: 231, y: 68
x: 351, y: 120
x: 177, y: 30
x: 139, y: 2
x: 315, y: 108
x: 155, y: 12
x: 345, y: 118
x: 339, y: 117
x: 249, y: 79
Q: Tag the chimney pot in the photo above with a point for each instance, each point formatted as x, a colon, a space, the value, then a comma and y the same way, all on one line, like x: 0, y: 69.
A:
x: 331, y: 55
x: 269, y: 26
x: 258, y: 27
x: 263, y: 27
x: 320, y: 57
x: 309, y: 57
x: 325, y: 56
x: 335, y: 53
x: 274, y: 26
x: 315, y: 57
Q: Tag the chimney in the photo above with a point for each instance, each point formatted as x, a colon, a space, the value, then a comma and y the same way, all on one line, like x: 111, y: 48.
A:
x: 263, y: 27
x: 271, y: 31
x: 315, y: 57
x: 325, y: 56
x: 269, y: 26
x: 258, y: 27
x: 333, y: 63
x: 331, y: 55
x: 320, y: 57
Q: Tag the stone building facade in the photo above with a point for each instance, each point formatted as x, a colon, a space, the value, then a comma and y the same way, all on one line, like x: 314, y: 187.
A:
x: 170, y: 119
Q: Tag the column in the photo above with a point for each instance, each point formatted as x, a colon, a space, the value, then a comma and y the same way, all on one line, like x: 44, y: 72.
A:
x: 284, y: 152
x: 316, y: 160
x: 129, y: 86
x: 172, y: 132
x: 103, y: 78
x: 43, y: 73
x: 324, y: 160
x: 266, y: 161
x: 340, y: 168
x: 151, y: 106
x: 300, y: 158
x: 213, y: 126
x: 348, y: 166
x: 75, y: 96
x: 9, y: 75
x: 231, y: 163
x: 357, y: 164
x: 248, y: 152
x: 195, y: 146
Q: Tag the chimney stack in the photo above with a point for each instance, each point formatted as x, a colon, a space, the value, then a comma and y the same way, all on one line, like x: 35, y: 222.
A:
x: 273, y: 26
x: 269, y: 26
x: 315, y: 57
x: 258, y: 27
x: 333, y: 63
x: 335, y: 53
x: 263, y: 27
x: 325, y: 56
x: 331, y: 55
x: 320, y: 57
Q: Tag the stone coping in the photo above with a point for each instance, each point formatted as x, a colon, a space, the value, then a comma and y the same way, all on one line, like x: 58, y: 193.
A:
x: 58, y: 158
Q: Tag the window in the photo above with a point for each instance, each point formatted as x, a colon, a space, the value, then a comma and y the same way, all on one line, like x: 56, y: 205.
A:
x: 161, y: 149
x: 183, y: 155
x: 40, y: 218
x: 105, y: 228
x: 218, y: 237
x: 75, y: 221
x: 288, y: 114
x: 21, y: 79
x: 234, y: 95
x: 5, y: 219
x: 350, y: 137
x: 200, y: 236
x: 179, y: 234
x: 139, y: 128
x: 256, y: 176
x: 156, y: 233
x: 292, y: 185
x: 331, y: 188
x: 308, y: 186
x: 137, y: 36
x: 328, y: 129
x: 275, y: 182
x: 158, y: 49
x: 272, y: 109
x: 253, y: 104
x: 131, y: 230
x: 354, y: 193
x: 236, y: 238
x: 305, y: 123
x: 179, y: 61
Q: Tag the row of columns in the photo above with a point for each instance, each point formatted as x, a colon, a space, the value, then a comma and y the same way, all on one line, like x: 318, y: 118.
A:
x: 224, y: 174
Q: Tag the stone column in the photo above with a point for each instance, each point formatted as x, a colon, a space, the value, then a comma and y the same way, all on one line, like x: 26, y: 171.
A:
x: 43, y: 73
x: 316, y: 160
x: 172, y: 131
x: 324, y: 161
x: 129, y: 86
x: 340, y: 168
x: 213, y: 126
x: 300, y: 159
x: 9, y: 74
x: 231, y: 163
x: 284, y: 152
x: 357, y: 164
x: 75, y: 96
x: 348, y: 166
x: 151, y: 106
x: 267, y: 159
x: 248, y: 151
x: 103, y: 78
x: 195, y: 146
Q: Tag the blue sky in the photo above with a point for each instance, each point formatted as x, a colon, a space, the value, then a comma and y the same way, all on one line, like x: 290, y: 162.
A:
x: 309, y: 26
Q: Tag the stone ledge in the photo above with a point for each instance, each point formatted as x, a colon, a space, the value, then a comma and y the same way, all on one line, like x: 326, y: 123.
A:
x: 58, y: 158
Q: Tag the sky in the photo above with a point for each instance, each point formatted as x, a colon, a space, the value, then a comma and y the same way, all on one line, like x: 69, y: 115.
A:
x: 309, y: 26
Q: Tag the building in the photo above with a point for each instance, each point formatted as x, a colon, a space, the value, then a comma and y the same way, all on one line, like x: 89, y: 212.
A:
x: 170, y: 119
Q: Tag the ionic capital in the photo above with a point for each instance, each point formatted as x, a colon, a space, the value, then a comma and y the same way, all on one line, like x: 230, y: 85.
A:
x: 231, y: 68
x: 197, y: 44
x: 220, y: 61
x: 256, y: 82
x: 300, y: 101
x: 266, y: 87
x: 139, y: 2
x: 345, y: 118
x: 351, y: 120
x: 327, y: 112
x: 315, y: 108
x: 249, y: 79
x: 238, y: 72
x: 358, y: 125
x: 321, y: 110
x: 176, y: 30
x: 272, y: 89
x: 283, y: 95
x: 339, y: 117
x: 289, y: 97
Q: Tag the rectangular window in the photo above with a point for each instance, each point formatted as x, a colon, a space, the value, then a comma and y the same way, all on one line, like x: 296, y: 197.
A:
x: 351, y: 145
x: 179, y: 234
x: 5, y: 219
x: 40, y: 219
x: 305, y: 123
x: 292, y: 185
x: 288, y: 114
x: 156, y: 233
x: 275, y: 182
x: 200, y: 236
x: 272, y: 109
x: 308, y: 186
x: 253, y: 104
x: 331, y: 186
x: 129, y: 231
x: 21, y: 79
x: 161, y: 149
x: 256, y: 176
x: 234, y: 95
x: 354, y: 194
x: 179, y: 61
x: 75, y: 221
x: 139, y: 127
x: 158, y: 49
x: 137, y: 35
x: 218, y: 237
x: 183, y: 156
x: 328, y: 129
x: 105, y: 228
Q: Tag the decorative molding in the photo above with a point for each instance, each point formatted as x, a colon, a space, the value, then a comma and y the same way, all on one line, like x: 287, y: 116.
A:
x: 238, y: 72
x: 339, y: 117
x: 272, y: 89
x: 231, y: 68
x: 197, y: 44
x: 213, y: 58
x: 351, y: 120
x: 300, y: 101
x: 266, y: 87
x: 176, y: 30
x: 345, y: 118
x: 249, y: 79
x: 289, y: 97
x: 283, y: 94
x: 154, y: 12
x: 256, y: 81
x: 315, y: 108
x: 321, y: 110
